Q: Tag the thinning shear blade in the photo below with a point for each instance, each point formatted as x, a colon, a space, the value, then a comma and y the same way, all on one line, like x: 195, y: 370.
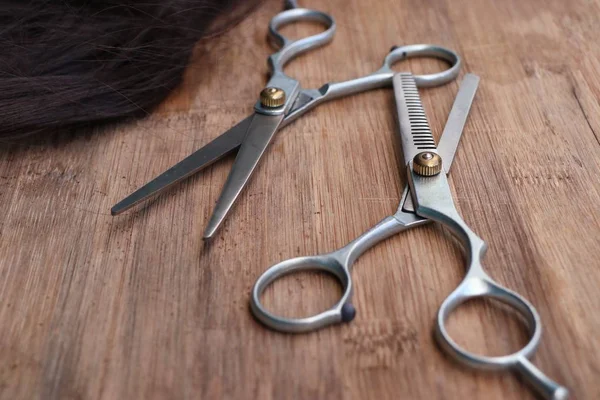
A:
x: 452, y: 130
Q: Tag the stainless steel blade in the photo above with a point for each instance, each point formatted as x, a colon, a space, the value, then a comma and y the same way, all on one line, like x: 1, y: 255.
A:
x: 453, y: 129
x: 200, y: 159
x: 259, y: 135
x: 221, y: 146
x: 457, y: 119
x: 415, y: 133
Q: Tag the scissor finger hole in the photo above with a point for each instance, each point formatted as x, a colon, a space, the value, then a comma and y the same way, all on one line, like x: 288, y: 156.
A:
x: 444, y: 63
x: 299, y: 29
x: 420, y: 65
x: 302, y: 294
x: 297, y: 17
x: 488, y: 327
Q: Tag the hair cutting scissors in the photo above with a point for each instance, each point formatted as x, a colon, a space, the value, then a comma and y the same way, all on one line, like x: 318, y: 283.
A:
x: 281, y: 102
x: 426, y: 198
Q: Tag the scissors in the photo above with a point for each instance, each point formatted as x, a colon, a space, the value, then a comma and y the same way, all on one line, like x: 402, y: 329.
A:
x: 426, y: 198
x: 282, y: 101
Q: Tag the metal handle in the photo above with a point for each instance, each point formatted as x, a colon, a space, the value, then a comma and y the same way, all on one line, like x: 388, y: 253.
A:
x: 425, y: 50
x: 341, y: 311
x: 433, y: 200
x: 475, y: 286
x: 383, y: 76
x: 288, y: 49
x: 337, y: 263
x: 478, y: 285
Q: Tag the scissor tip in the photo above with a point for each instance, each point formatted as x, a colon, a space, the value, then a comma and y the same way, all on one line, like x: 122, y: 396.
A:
x: 115, y: 211
x: 209, y: 234
x: 211, y: 229
x: 561, y: 393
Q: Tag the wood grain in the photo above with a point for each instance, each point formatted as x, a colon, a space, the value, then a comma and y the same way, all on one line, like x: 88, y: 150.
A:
x: 138, y: 307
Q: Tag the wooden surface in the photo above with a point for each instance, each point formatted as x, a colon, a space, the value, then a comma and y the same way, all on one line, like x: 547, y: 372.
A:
x: 138, y: 307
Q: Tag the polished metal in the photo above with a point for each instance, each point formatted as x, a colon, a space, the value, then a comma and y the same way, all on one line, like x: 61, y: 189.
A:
x: 432, y: 198
x: 460, y: 110
x: 220, y: 147
x: 270, y: 117
x: 259, y: 135
x: 339, y: 262
x: 416, y: 134
x: 456, y: 123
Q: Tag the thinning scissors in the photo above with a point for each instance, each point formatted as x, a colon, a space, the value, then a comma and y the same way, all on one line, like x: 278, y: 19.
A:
x: 281, y: 102
x: 426, y: 198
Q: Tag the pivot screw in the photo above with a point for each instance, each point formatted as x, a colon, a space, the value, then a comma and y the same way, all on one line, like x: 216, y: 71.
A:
x: 427, y: 163
x: 272, y: 97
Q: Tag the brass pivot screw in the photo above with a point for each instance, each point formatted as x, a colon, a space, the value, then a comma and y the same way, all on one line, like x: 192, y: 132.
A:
x: 427, y: 163
x: 272, y: 97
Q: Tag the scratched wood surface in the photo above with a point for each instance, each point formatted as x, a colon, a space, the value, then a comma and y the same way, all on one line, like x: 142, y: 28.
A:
x: 138, y: 307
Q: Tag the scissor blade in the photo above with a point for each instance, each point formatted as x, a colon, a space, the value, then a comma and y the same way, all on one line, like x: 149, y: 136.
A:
x: 415, y: 133
x: 259, y: 135
x: 457, y: 120
x: 453, y: 129
x: 200, y: 159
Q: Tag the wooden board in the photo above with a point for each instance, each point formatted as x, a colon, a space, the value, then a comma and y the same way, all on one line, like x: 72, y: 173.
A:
x: 138, y: 307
